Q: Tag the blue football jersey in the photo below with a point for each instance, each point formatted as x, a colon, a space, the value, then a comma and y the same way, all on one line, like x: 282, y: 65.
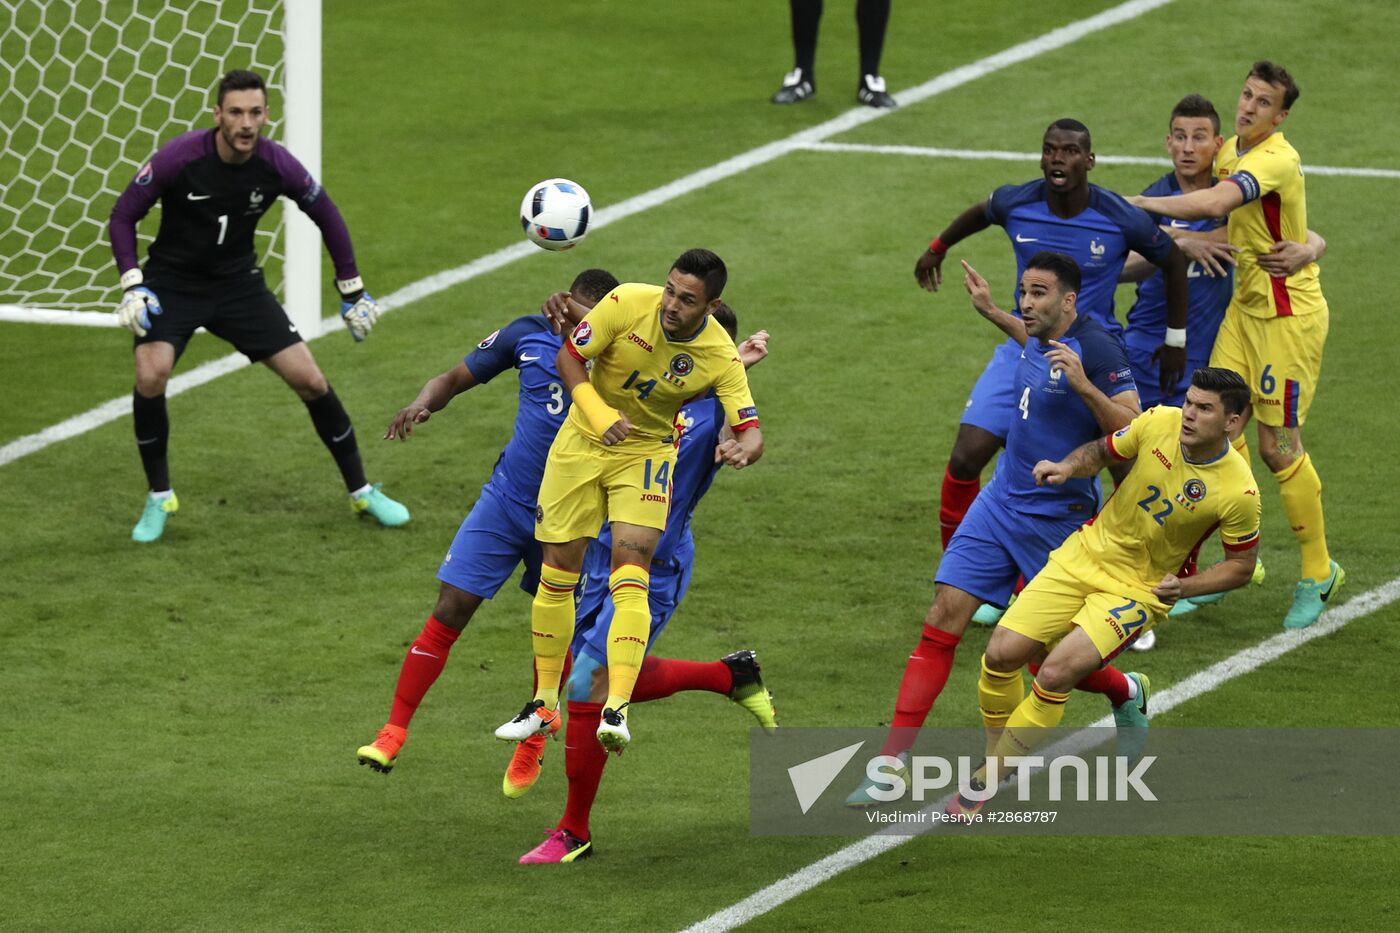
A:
x: 695, y: 469
x: 1210, y: 295
x: 528, y: 344
x: 1099, y: 238
x: 1052, y: 420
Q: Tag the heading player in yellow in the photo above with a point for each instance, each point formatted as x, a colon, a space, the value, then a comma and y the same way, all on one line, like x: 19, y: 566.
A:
x: 1115, y: 577
x: 1275, y: 325
x: 652, y: 349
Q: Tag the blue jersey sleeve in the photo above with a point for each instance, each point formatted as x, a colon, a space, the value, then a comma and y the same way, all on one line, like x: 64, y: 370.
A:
x: 1140, y: 231
x: 496, y: 353
x: 1104, y: 359
x: 1006, y: 198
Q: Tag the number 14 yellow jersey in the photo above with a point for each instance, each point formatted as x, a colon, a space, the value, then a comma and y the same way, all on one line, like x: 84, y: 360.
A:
x: 648, y: 376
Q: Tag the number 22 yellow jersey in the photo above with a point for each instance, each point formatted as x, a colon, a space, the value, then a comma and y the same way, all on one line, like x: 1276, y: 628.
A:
x: 1165, y: 506
x: 647, y: 375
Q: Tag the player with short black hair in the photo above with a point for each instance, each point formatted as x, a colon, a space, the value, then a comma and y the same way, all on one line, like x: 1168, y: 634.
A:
x: 1116, y: 577
x: 1062, y: 212
x: 1073, y: 384
x: 651, y: 349
x: 201, y: 271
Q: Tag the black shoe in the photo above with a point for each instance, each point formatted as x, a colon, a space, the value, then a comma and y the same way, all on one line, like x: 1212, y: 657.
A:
x: 746, y: 688
x: 796, y: 88
x: 871, y: 92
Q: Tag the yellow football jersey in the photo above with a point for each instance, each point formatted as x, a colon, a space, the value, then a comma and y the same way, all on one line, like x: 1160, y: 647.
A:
x: 1166, y: 506
x: 648, y: 376
x: 1275, y: 208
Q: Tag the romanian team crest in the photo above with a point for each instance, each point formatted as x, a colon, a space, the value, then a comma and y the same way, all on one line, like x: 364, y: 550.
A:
x: 490, y: 339
x: 1195, y: 489
x: 682, y: 364
x: 145, y: 174
x: 582, y: 334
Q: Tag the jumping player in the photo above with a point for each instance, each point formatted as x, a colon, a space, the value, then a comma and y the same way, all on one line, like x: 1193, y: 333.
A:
x: 651, y: 350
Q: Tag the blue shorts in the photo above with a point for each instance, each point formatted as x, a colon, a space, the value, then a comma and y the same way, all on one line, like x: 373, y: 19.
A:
x: 1148, y: 377
x: 495, y: 537
x: 595, y: 609
x: 993, y: 399
x: 994, y: 545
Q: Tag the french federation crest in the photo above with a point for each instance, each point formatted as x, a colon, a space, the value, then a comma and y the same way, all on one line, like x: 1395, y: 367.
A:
x: 682, y: 364
x: 1195, y: 489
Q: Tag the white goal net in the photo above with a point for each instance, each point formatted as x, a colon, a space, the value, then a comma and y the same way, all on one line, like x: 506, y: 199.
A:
x: 91, y: 90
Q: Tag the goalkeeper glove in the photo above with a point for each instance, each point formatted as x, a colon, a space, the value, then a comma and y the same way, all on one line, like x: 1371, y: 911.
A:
x: 138, y: 305
x: 358, y: 308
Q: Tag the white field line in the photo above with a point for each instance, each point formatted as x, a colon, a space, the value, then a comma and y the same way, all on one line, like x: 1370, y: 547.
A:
x: 1050, y: 41
x: 1237, y: 665
x: 1002, y: 155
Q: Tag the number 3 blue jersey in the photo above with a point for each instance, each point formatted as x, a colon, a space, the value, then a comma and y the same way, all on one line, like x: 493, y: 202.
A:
x: 1051, y: 420
x: 529, y: 345
x: 1098, y: 238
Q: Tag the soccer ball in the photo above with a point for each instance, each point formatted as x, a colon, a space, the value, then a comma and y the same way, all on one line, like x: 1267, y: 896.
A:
x: 555, y: 213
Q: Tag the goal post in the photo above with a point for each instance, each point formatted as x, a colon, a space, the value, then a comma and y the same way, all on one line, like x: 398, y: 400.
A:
x: 88, y: 92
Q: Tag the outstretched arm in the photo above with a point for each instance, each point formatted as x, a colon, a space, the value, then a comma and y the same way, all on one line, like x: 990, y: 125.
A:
x: 928, y: 271
x: 981, y: 295
x: 434, y: 396
x: 1215, y: 201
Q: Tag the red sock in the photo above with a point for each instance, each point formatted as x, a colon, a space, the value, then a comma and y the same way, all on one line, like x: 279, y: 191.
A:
x: 662, y: 677
x: 584, y: 758
x: 421, y: 667
x: 1107, y: 680
x: 954, y: 502
x: 924, y: 677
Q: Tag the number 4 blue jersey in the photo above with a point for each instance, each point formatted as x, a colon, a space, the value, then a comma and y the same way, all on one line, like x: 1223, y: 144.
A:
x: 1051, y: 420
x: 1098, y: 238
x: 528, y: 344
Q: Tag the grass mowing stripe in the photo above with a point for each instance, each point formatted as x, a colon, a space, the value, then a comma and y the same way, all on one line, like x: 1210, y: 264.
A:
x: 1237, y: 665
x: 1050, y: 41
x: 1002, y: 155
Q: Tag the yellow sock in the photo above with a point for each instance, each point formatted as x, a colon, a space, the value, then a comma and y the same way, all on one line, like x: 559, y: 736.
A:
x: 998, y: 694
x: 1242, y: 445
x: 1041, y: 709
x: 1301, y: 491
x: 627, y: 636
x: 551, y: 630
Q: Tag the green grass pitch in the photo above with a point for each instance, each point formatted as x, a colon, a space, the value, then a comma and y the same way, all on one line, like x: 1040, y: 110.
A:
x: 180, y: 720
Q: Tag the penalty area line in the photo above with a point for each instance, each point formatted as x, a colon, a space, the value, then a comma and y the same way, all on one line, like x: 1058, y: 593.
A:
x: 1202, y: 682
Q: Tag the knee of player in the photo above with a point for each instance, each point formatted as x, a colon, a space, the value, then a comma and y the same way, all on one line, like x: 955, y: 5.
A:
x: 455, y: 607
x: 1056, y: 675
x: 1001, y: 655
x: 312, y: 387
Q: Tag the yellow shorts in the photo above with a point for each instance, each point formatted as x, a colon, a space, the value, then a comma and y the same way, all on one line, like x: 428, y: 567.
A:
x: 586, y: 484
x: 1280, y: 358
x: 1057, y: 600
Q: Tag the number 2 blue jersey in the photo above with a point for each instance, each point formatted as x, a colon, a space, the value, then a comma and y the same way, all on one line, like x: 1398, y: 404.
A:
x: 695, y: 469
x: 1098, y: 238
x: 528, y: 344
x: 1210, y: 295
x: 1051, y: 420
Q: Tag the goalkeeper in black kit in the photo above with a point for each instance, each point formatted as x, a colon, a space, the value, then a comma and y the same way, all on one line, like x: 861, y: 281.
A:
x: 214, y: 186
